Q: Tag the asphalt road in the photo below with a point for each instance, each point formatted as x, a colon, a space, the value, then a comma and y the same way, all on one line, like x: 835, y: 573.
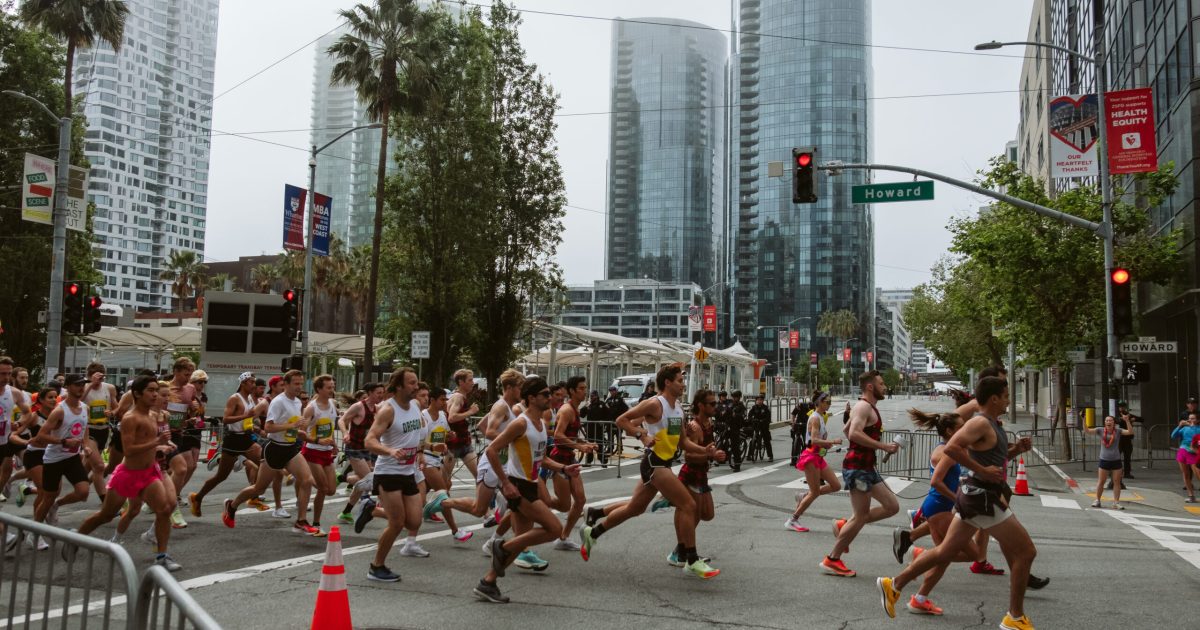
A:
x: 1108, y: 569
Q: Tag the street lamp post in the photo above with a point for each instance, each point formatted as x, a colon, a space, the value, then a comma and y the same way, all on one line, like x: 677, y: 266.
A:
x: 1106, y: 224
x: 59, y: 244
x: 308, y: 248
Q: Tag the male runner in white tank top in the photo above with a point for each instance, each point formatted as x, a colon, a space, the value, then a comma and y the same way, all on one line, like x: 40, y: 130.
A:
x: 101, y: 401
x: 64, y: 436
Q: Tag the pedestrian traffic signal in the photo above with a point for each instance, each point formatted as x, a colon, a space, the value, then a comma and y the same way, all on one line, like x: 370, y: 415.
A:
x: 804, y: 178
x: 91, y: 314
x: 72, y: 308
x: 1122, y: 302
x: 291, y: 314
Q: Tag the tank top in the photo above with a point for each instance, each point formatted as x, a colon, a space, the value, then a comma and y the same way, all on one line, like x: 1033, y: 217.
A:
x: 995, y: 456
x: 8, y: 415
x: 404, y: 435
x: 436, y: 431
x: 859, y: 457
x: 572, y: 431
x: 356, y: 438
x: 1110, y: 451
x: 951, y: 479
x: 324, y: 419
x: 666, y: 430
x: 823, y: 435
x: 486, y: 463
x: 97, y: 405
x: 461, y: 429
x: 74, y: 423
x: 525, y: 453
x: 245, y: 425
x: 33, y: 430
x: 707, y: 436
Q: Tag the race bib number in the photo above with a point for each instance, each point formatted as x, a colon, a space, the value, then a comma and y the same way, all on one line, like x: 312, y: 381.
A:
x: 97, y: 412
x: 437, y: 436
x: 324, y: 428
x: 176, y: 414
x: 407, y: 456
x: 291, y: 435
x: 674, y: 426
x: 248, y: 424
x: 76, y: 432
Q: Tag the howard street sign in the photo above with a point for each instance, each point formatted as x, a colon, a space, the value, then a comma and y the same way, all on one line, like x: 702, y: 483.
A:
x: 881, y: 193
x: 1153, y: 347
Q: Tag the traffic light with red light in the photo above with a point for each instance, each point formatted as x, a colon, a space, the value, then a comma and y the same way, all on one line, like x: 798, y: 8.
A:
x: 72, y: 308
x: 1122, y: 301
x: 291, y: 313
x: 804, y: 175
x: 91, y: 314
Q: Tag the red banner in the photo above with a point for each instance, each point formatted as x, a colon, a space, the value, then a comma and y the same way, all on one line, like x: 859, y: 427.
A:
x: 1132, y: 147
x: 812, y: 358
x: 794, y: 339
x: 846, y: 354
x: 710, y: 318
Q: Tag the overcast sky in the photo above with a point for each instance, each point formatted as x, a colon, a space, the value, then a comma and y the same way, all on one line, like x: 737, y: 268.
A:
x: 915, y: 124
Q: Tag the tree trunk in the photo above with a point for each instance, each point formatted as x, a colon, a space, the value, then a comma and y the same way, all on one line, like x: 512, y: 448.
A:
x: 373, y: 284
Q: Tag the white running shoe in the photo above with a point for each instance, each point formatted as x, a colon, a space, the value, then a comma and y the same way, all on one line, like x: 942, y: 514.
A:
x: 281, y: 513
x: 487, y: 546
x: 566, y: 545
x: 117, y: 539
x: 413, y: 550
x: 52, y: 515
x: 148, y: 537
x: 42, y: 545
x: 239, y: 464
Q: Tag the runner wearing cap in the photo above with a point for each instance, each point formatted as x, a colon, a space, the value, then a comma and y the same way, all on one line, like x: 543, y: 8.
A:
x: 238, y: 419
x: 63, y: 435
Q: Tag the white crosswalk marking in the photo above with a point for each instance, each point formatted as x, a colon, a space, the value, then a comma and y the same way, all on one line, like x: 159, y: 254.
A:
x: 1051, y: 501
x: 745, y: 475
x: 1166, y: 530
x: 897, y: 484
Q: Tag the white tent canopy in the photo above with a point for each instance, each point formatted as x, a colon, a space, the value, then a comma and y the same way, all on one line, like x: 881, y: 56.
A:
x: 169, y: 339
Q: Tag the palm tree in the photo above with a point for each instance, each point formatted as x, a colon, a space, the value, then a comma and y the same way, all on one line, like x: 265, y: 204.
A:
x: 838, y: 324
x: 358, y: 282
x: 217, y: 282
x: 387, y: 59
x: 264, y: 276
x: 183, y: 270
x: 82, y: 23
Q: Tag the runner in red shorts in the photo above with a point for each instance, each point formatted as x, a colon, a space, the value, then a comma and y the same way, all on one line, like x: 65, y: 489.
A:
x: 319, y: 451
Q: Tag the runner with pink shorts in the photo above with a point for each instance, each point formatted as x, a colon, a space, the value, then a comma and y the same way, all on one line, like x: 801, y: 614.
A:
x: 130, y: 483
x: 820, y: 477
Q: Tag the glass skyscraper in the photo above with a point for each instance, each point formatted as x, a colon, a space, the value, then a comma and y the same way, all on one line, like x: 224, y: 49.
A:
x: 149, y: 112
x: 667, y: 159
x: 802, y: 77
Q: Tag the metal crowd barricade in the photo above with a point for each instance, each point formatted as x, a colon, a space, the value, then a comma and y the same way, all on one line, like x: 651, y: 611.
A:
x: 912, y: 460
x: 1155, y: 444
x: 162, y: 603
x: 1060, y: 445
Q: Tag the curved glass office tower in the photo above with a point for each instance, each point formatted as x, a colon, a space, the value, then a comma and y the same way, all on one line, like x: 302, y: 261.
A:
x: 802, y: 77
x: 667, y: 157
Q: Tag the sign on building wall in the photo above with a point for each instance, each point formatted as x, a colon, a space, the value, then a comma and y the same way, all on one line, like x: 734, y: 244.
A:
x: 1132, y: 147
x: 1074, y: 129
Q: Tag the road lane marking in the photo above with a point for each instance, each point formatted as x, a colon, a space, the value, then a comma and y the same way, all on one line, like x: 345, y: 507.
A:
x: 1051, y: 501
x: 1189, y: 551
x: 745, y: 475
x: 897, y: 484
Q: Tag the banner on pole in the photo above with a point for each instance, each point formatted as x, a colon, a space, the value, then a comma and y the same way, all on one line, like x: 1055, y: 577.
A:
x: 812, y: 359
x: 37, y: 190
x: 845, y: 354
x: 322, y: 208
x: 794, y: 339
x: 710, y: 318
x: 293, y: 217
x: 783, y: 339
x: 694, y: 314
x: 1074, y: 129
x: 1132, y: 146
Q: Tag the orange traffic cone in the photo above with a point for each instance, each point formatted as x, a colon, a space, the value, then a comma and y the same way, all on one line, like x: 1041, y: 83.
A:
x: 333, y: 602
x: 1022, y: 488
x: 212, y: 448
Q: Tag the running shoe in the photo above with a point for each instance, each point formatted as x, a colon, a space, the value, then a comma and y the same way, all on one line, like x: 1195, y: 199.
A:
x: 593, y: 514
x: 463, y: 535
x: 529, y: 560
x: 382, y: 574
x: 887, y: 595
x: 674, y: 560
x: 3, y: 498
x: 586, y: 542
x: 660, y: 504
x: 281, y: 513
x: 487, y: 546
x: 320, y: 533
x: 149, y: 538
x: 436, y: 518
x: 212, y: 462
x: 492, y: 519
x: 194, y: 504
x: 794, y: 525
x: 1036, y: 583
x: 346, y: 517
x: 838, y: 524
x: 52, y: 515
x: 302, y: 527
x: 42, y: 545
x: 1118, y: 506
x: 227, y: 515
x: 700, y: 569
x: 258, y: 504
x: 901, y: 541
x: 499, y: 556
x: 10, y: 542
x: 915, y: 518
x: 177, y: 521
x: 923, y: 608
x: 985, y: 568
x: 239, y: 464
x: 489, y: 593
x: 566, y: 544
x: 412, y: 549
x: 366, y: 512
x: 1096, y: 503
x: 829, y: 566
x: 167, y: 562
x: 1008, y: 623
x: 116, y: 539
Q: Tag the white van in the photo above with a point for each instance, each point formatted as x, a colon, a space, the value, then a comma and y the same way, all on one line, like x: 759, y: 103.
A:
x: 631, y: 387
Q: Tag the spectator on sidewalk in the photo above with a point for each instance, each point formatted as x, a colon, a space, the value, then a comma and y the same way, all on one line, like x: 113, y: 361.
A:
x: 760, y: 421
x: 1126, y: 417
x: 799, y: 422
x: 596, y: 425
x: 1190, y: 408
x: 1188, y: 433
x: 648, y: 392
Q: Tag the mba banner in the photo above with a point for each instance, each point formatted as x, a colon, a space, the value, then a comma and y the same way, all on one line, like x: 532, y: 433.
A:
x: 1074, y: 129
x: 293, y: 217
x: 1132, y: 147
x: 322, y: 207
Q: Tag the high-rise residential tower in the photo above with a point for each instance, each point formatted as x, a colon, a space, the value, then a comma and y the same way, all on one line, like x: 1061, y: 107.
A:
x: 149, y: 111
x: 667, y: 161
x: 802, y: 77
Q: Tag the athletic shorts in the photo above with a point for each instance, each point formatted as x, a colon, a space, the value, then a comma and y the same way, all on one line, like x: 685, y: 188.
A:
x: 130, y: 483
x: 460, y: 451
x: 405, y: 484
x: 860, y: 480
x: 100, y: 434
x: 566, y: 457
x: 278, y: 455
x: 185, y: 442
x: 71, y: 468
x: 115, y: 436
x: 1187, y: 458
x: 526, y: 491
x: 432, y: 460
x: 1115, y: 464
x: 10, y: 449
x: 650, y: 461
x: 236, y: 443
x: 317, y: 456
x: 935, y: 504
x: 487, y: 477
x: 32, y: 458
x: 985, y: 522
x: 357, y: 453
x: 809, y: 456
x: 695, y: 480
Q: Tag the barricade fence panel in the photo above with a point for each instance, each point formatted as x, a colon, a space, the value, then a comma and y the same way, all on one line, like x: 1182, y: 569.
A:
x: 163, y: 603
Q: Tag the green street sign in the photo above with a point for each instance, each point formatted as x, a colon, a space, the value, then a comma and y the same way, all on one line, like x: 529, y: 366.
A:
x: 882, y: 193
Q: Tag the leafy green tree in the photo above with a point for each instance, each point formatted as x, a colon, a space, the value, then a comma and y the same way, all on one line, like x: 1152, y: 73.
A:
x: 81, y: 23
x: 829, y: 373
x: 953, y: 318
x: 892, y: 379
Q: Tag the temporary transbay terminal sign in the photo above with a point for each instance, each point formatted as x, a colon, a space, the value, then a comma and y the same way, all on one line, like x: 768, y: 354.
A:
x: 242, y: 332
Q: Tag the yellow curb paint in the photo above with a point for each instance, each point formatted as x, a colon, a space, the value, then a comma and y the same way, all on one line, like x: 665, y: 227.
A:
x: 1193, y: 510
x: 1125, y: 496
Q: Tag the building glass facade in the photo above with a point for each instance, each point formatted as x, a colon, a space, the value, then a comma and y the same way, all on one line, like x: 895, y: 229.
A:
x: 793, y: 88
x: 666, y: 189
x: 149, y: 113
